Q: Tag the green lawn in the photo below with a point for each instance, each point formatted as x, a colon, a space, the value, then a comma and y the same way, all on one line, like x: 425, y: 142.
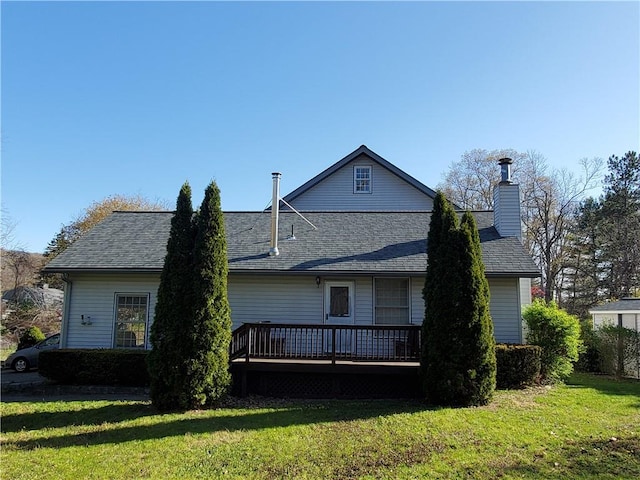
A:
x: 589, y: 428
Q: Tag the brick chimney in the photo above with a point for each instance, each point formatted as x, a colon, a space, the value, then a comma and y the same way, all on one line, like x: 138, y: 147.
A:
x: 506, y: 203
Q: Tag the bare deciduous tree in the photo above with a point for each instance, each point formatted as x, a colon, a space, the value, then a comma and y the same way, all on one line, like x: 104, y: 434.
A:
x: 549, y: 199
x: 550, y: 202
x: 19, y: 268
x: 22, y: 267
x: 469, y: 182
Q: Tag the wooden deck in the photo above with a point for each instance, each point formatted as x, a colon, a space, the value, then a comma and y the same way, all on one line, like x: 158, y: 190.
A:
x: 381, y: 343
x: 320, y: 361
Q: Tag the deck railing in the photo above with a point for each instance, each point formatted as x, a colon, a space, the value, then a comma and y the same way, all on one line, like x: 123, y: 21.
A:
x: 382, y: 343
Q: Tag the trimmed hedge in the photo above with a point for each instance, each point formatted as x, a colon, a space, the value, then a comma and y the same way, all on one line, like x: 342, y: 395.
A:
x: 518, y: 365
x: 95, y: 366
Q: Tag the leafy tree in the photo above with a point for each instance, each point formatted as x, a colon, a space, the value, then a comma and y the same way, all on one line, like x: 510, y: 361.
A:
x: 208, y: 377
x: 558, y: 334
x: 30, y: 337
x: 174, y: 310
x: 458, y: 358
x: 92, y: 215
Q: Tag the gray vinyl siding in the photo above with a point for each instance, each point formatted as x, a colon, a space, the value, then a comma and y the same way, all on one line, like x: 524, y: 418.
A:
x: 259, y: 298
x: 506, y: 205
x: 94, y: 296
x: 276, y: 299
x: 388, y: 192
x: 364, y: 301
x: 290, y: 299
x: 506, y: 310
x: 504, y: 306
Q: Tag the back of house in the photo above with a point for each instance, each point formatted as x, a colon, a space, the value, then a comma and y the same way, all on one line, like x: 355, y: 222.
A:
x: 348, y: 247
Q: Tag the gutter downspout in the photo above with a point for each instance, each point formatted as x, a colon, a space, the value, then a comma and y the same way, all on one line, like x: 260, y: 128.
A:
x: 275, y: 214
x: 68, y: 286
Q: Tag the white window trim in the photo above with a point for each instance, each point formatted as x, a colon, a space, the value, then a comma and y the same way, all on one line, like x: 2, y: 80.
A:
x: 363, y: 192
x: 115, y: 318
x: 352, y: 299
x: 409, y: 299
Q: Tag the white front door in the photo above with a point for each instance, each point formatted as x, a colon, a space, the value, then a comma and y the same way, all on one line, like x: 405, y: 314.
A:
x: 339, y: 310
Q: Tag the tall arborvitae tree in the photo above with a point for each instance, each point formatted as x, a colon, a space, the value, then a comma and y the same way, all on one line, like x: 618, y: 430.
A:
x: 439, y: 335
x: 458, y: 357
x: 477, y: 343
x: 208, y: 374
x: 174, y: 309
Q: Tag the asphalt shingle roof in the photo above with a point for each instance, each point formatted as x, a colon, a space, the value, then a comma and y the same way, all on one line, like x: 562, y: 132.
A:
x: 344, y: 242
x: 626, y: 304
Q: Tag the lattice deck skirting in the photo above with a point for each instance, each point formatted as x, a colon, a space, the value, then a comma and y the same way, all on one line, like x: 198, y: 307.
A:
x: 318, y: 381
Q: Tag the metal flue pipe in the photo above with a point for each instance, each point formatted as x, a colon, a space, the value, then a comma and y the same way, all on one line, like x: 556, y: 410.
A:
x: 275, y: 214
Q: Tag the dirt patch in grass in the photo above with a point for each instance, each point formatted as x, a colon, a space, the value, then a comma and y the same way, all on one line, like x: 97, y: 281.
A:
x: 619, y: 447
x: 370, y: 462
x: 524, y: 398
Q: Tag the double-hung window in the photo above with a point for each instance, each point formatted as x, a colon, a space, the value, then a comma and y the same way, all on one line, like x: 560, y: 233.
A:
x: 392, y: 301
x: 362, y: 179
x: 132, y: 317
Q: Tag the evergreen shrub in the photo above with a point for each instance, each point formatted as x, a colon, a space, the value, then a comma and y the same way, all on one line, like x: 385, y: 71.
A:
x: 518, y: 365
x: 589, y: 356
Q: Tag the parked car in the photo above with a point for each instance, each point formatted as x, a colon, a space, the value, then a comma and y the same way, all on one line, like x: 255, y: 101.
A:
x: 25, y: 358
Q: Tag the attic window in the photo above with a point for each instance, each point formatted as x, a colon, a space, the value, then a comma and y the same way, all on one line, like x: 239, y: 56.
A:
x: 362, y: 179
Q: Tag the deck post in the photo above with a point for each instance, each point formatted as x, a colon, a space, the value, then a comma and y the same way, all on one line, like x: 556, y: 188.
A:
x: 333, y: 345
x: 246, y: 359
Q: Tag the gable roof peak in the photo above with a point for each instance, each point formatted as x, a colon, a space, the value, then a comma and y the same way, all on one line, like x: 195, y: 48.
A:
x: 363, y: 149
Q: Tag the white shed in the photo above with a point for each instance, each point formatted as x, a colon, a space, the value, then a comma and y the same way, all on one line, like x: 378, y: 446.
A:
x: 623, y: 313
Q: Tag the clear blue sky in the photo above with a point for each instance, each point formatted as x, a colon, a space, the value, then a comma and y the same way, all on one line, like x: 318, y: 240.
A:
x: 104, y: 98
